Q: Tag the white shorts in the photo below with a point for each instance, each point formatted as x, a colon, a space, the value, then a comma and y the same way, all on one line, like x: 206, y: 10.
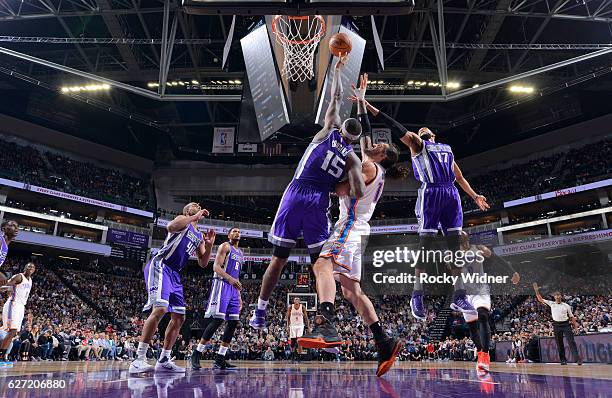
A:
x: 296, y: 331
x: 477, y: 301
x: 12, y: 315
x: 344, y: 247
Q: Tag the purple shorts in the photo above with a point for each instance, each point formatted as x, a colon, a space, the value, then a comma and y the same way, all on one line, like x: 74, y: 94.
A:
x: 439, y: 206
x: 224, y: 301
x: 164, y: 287
x: 303, y: 211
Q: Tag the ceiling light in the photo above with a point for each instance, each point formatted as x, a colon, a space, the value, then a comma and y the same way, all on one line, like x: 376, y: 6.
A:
x: 521, y: 89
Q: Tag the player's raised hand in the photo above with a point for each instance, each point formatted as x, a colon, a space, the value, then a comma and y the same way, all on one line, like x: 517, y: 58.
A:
x: 516, y: 278
x: 209, y: 238
x: 201, y: 214
x: 535, y: 286
x: 359, y: 92
x: 481, y: 202
x: 342, y: 59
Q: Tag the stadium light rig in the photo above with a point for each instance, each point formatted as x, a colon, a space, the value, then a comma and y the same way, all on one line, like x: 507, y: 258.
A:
x: 89, y: 87
x: 521, y: 89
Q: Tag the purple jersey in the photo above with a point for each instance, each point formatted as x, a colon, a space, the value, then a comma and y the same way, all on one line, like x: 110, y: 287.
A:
x: 233, y: 262
x: 179, y: 246
x: 322, y: 165
x: 434, y: 164
x: 3, y: 250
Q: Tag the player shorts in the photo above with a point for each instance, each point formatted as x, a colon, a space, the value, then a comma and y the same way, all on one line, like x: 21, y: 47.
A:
x: 296, y: 331
x: 164, y: 287
x: 303, y: 211
x: 439, y: 206
x: 477, y: 301
x: 224, y: 301
x: 344, y: 247
x: 12, y: 315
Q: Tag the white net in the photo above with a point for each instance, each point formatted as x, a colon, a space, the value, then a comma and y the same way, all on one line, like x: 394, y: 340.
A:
x: 299, y: 37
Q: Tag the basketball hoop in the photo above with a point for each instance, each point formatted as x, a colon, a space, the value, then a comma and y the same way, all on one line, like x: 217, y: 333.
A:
x: 299, y: 36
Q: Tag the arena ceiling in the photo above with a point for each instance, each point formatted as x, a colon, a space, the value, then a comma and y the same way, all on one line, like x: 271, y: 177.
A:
x: 484, y: 41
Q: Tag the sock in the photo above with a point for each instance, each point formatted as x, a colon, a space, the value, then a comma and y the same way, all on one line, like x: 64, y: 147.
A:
x: 377, y: 330
x: 164, y: 354
x: 328, y: 310
x: 141, y: 352
x: 262, y: 304
x: 222, y: 350
x: 200, y: 347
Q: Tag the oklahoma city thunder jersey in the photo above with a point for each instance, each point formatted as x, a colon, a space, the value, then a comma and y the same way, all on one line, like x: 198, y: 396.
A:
x: 359, y: 211
x: 434, y: 164
x: 179, y: 246
x: 21, y: 292
x: 322, y: 165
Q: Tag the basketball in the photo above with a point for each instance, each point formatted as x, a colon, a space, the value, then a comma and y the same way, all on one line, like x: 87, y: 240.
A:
x: 340, y: 43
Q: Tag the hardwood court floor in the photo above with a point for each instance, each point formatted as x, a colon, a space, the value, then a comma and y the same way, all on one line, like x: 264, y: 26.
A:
x: 308, y: 379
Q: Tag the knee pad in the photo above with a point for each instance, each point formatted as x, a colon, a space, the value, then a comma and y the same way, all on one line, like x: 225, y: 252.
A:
x: 211, y: 328
x: 230, y: 328
x: 281, y: 252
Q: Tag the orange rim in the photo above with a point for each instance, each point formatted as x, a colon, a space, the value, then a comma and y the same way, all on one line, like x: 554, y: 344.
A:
x: 281, y: 36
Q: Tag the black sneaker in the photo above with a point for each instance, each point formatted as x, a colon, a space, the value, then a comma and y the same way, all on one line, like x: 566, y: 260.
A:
x: 229, y: 365
x: 387, y: 352
x: 195, y: 360
x: 324, y: 335
x: 563, y: 362
x: 220, y: 363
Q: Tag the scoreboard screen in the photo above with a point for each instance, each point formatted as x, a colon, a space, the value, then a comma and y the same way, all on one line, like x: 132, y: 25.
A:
x: 266, y: 90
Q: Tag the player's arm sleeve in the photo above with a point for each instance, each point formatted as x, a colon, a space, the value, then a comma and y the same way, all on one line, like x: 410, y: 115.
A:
x: 408, y: 138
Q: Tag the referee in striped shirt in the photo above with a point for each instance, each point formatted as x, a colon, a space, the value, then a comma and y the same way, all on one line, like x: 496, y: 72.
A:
x: 562, y: 316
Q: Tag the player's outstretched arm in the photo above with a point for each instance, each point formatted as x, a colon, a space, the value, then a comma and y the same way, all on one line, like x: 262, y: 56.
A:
x: 15, y: 280
x: 181, y: 222
x: 537, y: 292
x: 306, y: 321
x: 355, y: 178
x: 205, y: 249
x: 332, y: 115
x: 408, y: 138
x: 222, y: 252
x: 480, y: 200
x: 365, y: 141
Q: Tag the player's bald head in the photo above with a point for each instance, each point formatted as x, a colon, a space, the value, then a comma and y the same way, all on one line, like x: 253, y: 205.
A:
x: 191, y: 209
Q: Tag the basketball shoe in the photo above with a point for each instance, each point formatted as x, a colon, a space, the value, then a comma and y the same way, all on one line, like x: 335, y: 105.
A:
x: 417, y: 307
x: 484, y: 361
x: 387, y: 352
x: 323, y: 335
x: 167, y: 365
x: 258, y: 320
x: 140, y: 366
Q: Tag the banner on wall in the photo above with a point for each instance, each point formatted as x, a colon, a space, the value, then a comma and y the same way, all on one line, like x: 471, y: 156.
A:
x: 596, y: 347
x: 249, y: 148
x: 381, y: 136
x: 223, y: 140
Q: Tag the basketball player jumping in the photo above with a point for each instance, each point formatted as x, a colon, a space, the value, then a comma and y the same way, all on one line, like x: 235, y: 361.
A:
x: 343, y: 250
x: 164, y: 287
x: 479, y: 296
x: 297, y: 319
x: 14, y: 308
x: 10, y: 230
x: 438, y: 202
x: 304, y: 205
x: 224, y: 302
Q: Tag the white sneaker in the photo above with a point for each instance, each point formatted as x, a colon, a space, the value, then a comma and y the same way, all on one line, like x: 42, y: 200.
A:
x: 140, y: 366
x: 168, y: 367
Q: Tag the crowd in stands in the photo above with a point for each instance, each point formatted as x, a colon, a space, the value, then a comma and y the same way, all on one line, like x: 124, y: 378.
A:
x: 577, y: 166
x: 92, y: 311
x: 64, y: 173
